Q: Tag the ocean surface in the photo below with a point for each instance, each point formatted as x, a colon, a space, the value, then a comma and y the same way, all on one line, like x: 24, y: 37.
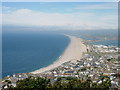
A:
x: 24, y: 52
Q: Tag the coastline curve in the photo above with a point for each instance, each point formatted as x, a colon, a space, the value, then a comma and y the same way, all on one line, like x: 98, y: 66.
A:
x: 73, y: 52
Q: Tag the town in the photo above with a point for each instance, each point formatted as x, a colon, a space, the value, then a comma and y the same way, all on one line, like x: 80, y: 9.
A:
x: 99, y: 61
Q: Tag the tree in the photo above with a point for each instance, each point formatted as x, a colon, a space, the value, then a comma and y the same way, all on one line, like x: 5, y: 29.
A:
x: 32, y: 82
x: 62, y: 83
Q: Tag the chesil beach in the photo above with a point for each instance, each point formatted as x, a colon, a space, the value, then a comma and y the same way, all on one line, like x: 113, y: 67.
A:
x: 73, y: 52
x: 60, y: 45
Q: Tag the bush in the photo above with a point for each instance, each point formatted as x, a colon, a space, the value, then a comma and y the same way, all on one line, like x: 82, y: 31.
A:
x: 61, y: 83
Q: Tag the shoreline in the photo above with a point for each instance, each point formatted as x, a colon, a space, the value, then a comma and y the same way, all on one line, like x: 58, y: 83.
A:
x: 73, y: 52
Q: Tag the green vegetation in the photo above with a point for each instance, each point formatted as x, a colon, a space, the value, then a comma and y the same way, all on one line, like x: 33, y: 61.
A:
x: 118, y: 52
x: 83, y: 69
x: 60, y: 83
x: 116, y: 75
x: 66, y: 78
x: 33, y: 82
x: 113, y: 59
x: 96, y: 55
x: 4, y: 78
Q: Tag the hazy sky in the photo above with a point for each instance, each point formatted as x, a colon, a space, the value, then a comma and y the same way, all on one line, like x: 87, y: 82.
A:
x: 67, y: 15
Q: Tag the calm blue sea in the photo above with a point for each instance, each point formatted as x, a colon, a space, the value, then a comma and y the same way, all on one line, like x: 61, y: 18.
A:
x: 24, y: 52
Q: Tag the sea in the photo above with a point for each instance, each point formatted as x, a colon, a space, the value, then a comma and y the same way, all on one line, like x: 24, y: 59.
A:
x: 24, y: 51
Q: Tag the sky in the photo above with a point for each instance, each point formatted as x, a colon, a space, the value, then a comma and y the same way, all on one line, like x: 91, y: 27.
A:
x: 64, y: 15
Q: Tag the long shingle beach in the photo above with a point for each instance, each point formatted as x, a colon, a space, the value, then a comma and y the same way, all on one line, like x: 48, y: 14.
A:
x: 73, y: 52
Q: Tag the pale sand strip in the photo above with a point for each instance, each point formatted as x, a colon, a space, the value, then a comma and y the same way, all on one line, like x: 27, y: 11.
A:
x: 72, y: 52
